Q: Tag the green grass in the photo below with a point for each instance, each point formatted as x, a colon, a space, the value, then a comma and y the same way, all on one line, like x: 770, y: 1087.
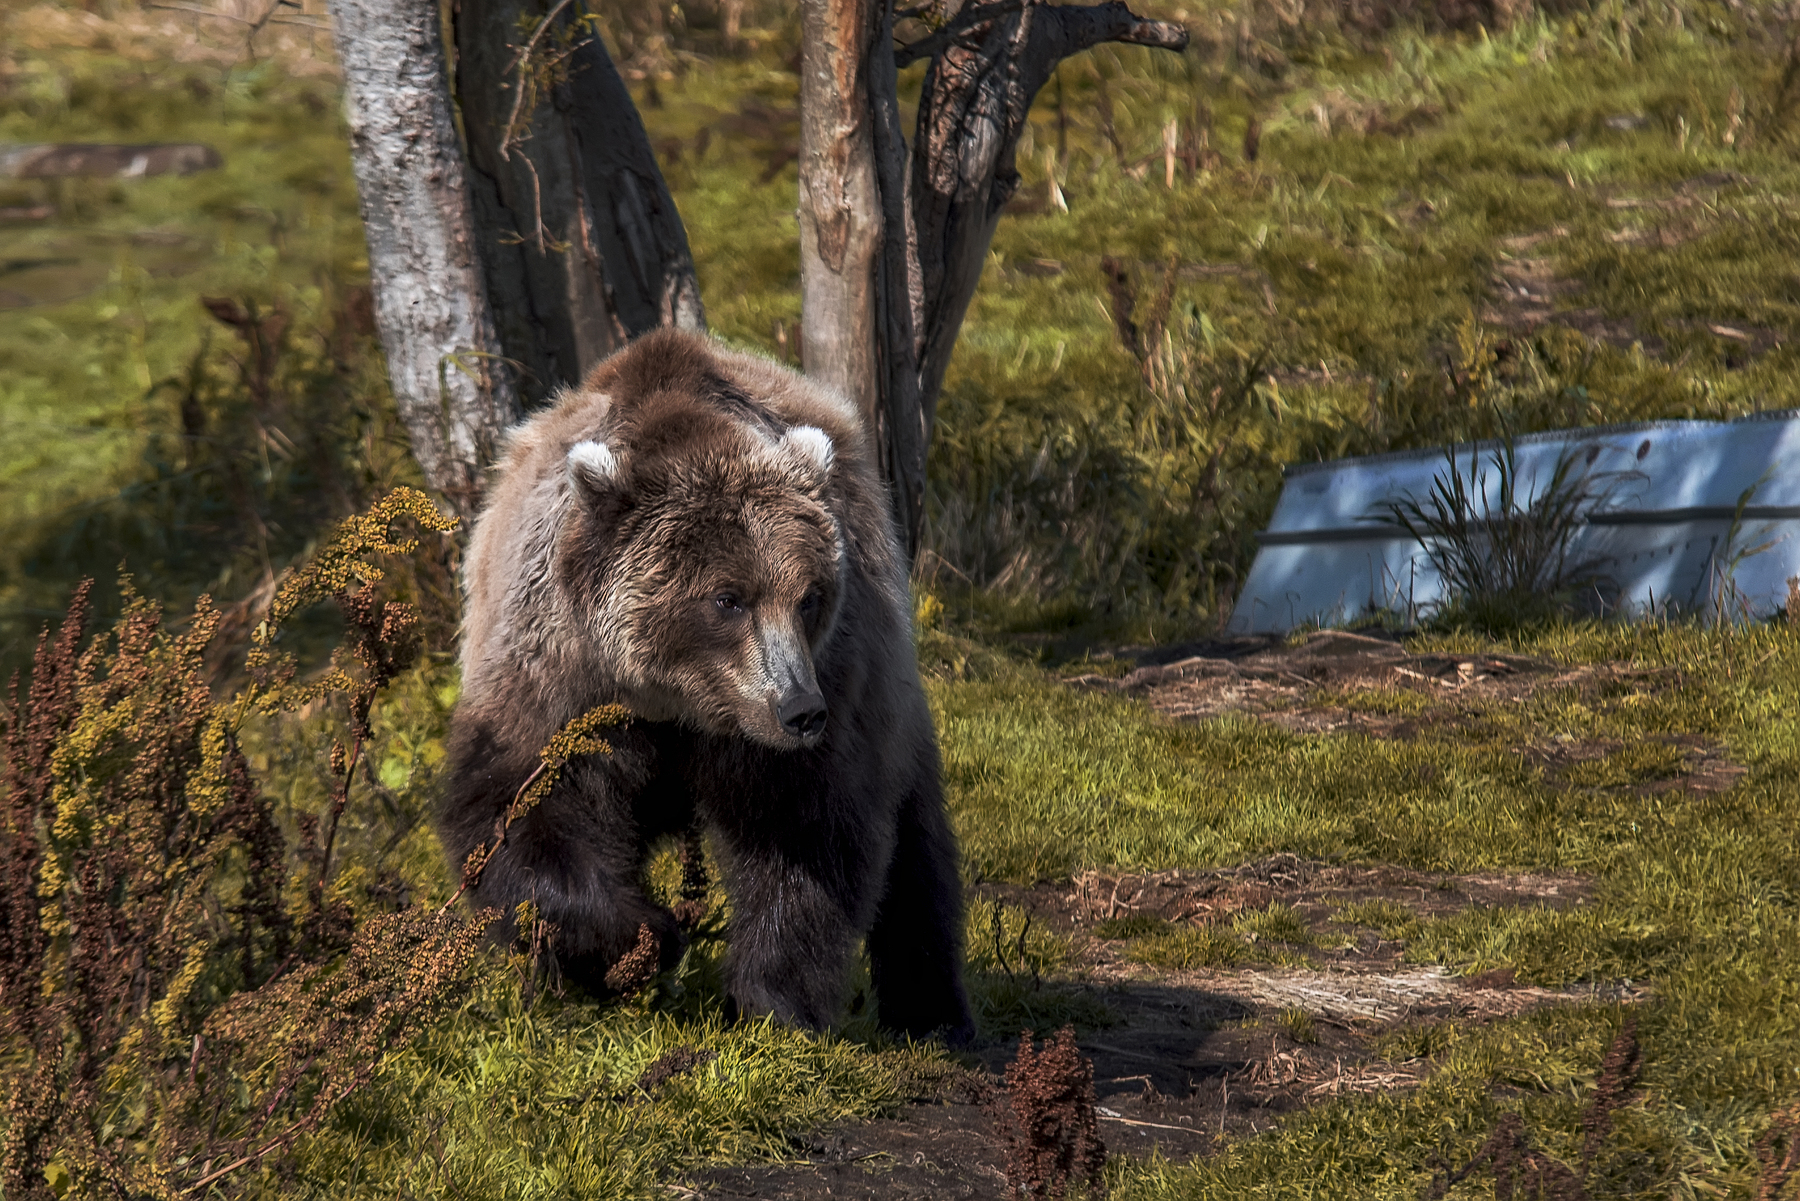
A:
x: 1276, y: 923
x: 1390, y: 919
x: 1634, y: 764
x: 1187, y: 947
x: 1384, y: 702
x: 1695, y: 891
x: 514, y: 1102
x: 1694, y: 902
x: 1132, y: 925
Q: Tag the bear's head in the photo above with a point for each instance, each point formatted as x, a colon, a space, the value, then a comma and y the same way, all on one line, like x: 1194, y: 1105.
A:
x: 706, y: 564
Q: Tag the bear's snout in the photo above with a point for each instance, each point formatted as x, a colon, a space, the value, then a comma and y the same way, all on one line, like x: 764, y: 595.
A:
x: 802, y: 714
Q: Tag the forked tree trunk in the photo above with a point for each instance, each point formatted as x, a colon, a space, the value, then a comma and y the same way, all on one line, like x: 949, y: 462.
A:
x: 494, y: 286
x: 452, y: 387
x: 892, y: 244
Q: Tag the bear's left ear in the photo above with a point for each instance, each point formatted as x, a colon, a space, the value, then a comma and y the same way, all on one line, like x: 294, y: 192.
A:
x: 807, y: 451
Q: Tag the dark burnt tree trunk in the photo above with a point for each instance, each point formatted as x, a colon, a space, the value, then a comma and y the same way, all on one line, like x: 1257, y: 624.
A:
x: 584, y: 248
x: 891, y: 241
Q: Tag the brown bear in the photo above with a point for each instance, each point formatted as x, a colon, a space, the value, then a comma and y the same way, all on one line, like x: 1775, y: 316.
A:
x: 703, y: 537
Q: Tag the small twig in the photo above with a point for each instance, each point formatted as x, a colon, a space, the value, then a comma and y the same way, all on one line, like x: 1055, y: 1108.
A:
x: 1111, y: 1050
x: 337, y: 811
x: 1124, y: 1121
x: 518, y: 64
x: 280, y: 1093
x: 268, y: 1148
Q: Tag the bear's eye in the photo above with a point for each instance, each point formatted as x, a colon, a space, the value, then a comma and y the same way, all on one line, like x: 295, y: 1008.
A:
x: 809, y: 604
x: 728, y: 602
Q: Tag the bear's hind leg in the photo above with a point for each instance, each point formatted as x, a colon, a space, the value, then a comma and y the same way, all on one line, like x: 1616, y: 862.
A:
x: 916, y: 944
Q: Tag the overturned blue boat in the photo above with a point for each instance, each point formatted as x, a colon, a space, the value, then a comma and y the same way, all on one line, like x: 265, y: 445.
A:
x: 1701, y: 518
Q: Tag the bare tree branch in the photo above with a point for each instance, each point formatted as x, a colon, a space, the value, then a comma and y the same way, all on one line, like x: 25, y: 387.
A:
x: 935, y: 42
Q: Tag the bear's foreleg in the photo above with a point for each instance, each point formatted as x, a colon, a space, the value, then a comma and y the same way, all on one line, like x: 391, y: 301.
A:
x: 586, y: 885
x: 575, y: 856
x: 793, y: 929
x: 916, y: 944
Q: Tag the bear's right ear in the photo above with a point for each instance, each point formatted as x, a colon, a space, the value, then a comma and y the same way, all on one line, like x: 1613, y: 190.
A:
x: 598, y: 474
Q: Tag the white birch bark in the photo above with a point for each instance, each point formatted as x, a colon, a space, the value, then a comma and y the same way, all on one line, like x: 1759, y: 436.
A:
x: 453, y: 390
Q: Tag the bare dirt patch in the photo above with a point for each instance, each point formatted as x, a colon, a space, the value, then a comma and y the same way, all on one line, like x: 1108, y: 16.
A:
x: 1189, y: 1058
x: 1341, y: 682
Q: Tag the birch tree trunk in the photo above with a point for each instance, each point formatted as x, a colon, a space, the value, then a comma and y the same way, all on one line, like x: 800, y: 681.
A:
x: 585, y: 249
x: 892, y: 244
x: 452, y: 387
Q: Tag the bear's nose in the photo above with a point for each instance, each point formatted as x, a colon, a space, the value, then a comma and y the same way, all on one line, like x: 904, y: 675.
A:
x: 802, y: 714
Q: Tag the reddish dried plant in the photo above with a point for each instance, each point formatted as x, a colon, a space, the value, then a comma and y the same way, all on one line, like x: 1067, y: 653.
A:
x: 1045, y: 1122
x: 177, y: 997
x: 637, y: 967
x: 1778, y: 1153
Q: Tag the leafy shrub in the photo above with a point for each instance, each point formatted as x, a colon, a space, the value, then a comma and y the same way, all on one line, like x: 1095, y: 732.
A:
x: 183, y: 992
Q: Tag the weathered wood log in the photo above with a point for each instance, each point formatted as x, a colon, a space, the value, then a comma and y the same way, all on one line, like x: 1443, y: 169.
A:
x: 582, y: 243
x: 55, y: 160
x: 892, y: 243
x: 452, y: 385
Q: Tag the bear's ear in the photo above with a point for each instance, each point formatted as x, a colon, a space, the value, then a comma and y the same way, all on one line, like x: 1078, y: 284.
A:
x: 807, y: 450
x: 597, y: 473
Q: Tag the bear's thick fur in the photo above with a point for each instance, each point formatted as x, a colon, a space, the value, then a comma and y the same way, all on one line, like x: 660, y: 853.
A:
x: 704, y: 537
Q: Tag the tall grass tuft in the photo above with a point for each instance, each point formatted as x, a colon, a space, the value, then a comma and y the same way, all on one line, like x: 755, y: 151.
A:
x: 1503, y: 546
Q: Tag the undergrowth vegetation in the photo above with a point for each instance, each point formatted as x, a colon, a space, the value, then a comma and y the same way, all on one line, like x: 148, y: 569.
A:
x: 1368, y: 228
